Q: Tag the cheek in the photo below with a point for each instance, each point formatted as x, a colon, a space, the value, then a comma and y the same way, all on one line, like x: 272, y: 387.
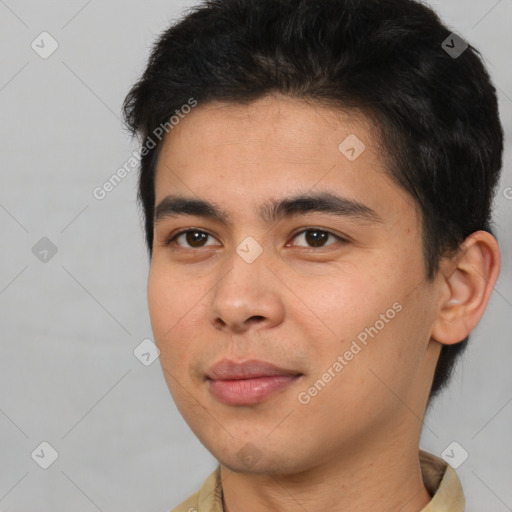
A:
x: 178, y: 314
x: 343, y: 302
x: 170, y: 299
x: 170, y: 305
x: 159, y: 302
x: 367, y: 303
x: 166, y: 304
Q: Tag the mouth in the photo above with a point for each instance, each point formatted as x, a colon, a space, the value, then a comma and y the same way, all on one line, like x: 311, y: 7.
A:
x: 248, y: 382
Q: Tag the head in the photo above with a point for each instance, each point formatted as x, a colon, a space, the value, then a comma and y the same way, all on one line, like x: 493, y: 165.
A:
x: 244, y: 103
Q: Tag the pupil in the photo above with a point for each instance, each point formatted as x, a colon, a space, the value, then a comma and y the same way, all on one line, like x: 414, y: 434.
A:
x: 194, y: 238
x: 315, y: 237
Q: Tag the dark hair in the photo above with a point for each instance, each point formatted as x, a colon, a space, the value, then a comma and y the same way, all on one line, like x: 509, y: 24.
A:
x: 435, y: 113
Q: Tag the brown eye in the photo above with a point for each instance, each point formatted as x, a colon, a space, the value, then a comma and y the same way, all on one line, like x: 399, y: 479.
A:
x: 193, y: 238
x: 316, y: 237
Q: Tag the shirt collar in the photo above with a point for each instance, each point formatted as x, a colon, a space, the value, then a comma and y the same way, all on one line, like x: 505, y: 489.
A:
x: 440, y: 479
x: 442, y: 483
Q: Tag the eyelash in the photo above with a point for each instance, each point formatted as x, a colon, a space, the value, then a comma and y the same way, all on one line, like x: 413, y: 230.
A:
x: 173, y: 238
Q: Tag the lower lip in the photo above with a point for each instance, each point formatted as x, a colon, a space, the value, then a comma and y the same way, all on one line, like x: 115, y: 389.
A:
x: 249, y: 391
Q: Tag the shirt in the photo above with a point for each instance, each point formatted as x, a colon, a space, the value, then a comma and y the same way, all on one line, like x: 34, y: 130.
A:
x: 439, y: 478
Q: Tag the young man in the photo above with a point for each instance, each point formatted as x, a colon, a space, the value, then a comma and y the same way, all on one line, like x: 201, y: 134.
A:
x: 317, y: 180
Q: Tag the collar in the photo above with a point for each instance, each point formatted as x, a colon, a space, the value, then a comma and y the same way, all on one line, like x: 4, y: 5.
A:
x: 440, y: 479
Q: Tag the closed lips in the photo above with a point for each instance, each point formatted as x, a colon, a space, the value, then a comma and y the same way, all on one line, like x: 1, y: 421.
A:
x: 251, y: 369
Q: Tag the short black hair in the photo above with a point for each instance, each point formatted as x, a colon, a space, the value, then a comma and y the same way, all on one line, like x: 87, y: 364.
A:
x: 436, y: 113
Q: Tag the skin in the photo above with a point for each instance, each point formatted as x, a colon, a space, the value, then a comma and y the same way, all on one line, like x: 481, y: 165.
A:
x: 353, y: 446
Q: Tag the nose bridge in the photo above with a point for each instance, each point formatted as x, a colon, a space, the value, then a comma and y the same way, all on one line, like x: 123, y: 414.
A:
x: 245, y: 291
x: 242, y: 283
x: 247, y: 263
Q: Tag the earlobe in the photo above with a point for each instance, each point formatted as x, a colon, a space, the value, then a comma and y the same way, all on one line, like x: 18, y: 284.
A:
x: 467, y: 281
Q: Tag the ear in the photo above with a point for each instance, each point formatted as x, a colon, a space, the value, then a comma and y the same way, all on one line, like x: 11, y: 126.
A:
x: 466, y: 282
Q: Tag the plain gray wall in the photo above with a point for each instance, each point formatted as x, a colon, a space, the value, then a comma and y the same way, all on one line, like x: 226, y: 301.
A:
x: 68, y: 375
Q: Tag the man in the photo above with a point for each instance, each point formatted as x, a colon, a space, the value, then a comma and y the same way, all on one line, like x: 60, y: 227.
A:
x: 317, y: 180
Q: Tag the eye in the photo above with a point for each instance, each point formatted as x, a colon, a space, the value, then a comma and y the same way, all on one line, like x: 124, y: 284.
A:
x: 315, y: 237
x: 193, y: 237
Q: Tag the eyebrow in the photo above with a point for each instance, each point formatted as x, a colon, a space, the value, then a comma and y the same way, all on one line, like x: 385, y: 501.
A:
x: 271, y: 211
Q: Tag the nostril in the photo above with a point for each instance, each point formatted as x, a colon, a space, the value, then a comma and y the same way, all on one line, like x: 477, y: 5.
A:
x: 257, y: 318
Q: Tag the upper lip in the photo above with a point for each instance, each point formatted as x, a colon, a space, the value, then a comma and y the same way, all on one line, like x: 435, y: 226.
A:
x: 227, y: 369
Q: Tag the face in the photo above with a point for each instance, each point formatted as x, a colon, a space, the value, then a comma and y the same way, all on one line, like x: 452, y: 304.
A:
x: 291, y: 311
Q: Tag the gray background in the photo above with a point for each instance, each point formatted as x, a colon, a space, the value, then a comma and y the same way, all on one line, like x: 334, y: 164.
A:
x: 68, y: 375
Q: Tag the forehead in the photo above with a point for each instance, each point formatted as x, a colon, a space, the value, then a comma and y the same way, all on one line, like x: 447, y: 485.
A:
x: 277, y: 146
x: 276, y: 122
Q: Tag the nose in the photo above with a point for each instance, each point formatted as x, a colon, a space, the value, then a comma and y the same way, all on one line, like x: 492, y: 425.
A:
x: 248, y: 295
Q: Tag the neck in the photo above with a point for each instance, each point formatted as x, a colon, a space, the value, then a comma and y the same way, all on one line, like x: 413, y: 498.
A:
x: 375, y: 476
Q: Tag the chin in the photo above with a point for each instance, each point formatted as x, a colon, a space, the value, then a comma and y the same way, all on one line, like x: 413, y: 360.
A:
x: 262, y: 467
x: 249, y: 459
